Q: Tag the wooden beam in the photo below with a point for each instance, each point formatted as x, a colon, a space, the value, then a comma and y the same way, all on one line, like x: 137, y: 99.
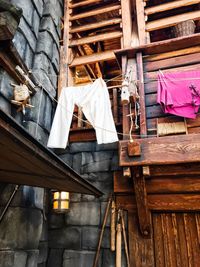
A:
x: 126, y: 22
x: 95, y: 25
x: 171, y: 21
x: 141, y: 202
x: 161, y: 46
x: 163, y: 202
x: 163, y: 150
x: 95, y: 12
x: 169, y: 6
x: 95, y: 38
x: 143, y: 125
x: 141, y: 22
x: 102, y: 56
x: 185, y: 51
x: 84, y: 3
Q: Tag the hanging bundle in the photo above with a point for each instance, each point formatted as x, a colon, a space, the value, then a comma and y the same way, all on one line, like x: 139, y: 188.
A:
x: 125, y: 94
x: 21, y: 92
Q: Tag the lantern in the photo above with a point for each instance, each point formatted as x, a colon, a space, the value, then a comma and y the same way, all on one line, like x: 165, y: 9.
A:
x: 60, y: 201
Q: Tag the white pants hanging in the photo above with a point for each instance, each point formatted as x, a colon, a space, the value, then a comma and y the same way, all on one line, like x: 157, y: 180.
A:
x: 94, y: 101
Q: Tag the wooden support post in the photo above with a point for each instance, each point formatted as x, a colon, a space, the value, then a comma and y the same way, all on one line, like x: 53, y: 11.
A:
x: 126, y: 22
x: 112, y: 226
x: 143, y: 124
x: 119, y: 245
x: 141, y: 21
x: 141, y: 202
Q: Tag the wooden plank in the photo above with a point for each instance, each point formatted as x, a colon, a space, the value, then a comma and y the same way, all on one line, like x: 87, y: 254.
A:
x: 96, y: 11
x: 141, y: 249
x: 182, y: 60
x: 143, y: 126
x: 158, y: 240
x: 141, y: 22
x: 115, y: 105
x: 163, y: 150
x: 84, y: 3
x: 169, y: 6
x: 185, y: 51
x: 161, y: 46
x: 182, y: 239
x: 141, y: 202
x: 171, y: 21
x: 95, y: 38
x: 160, y: 185
x: 126, y: 22
x: 101, y: 56
x: 176, y: 240
x: 163, y: 202
x: 95, y: 25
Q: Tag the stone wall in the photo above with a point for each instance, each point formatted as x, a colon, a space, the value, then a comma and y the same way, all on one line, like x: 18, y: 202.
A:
x: 73, y: 237
x: 24, y: 229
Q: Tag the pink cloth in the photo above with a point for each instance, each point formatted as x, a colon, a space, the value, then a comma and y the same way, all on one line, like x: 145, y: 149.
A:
x: 179, y: 93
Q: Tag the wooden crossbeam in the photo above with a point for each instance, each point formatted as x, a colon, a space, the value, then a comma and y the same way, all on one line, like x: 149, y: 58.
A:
x: 163, y: 150
x: 96, y: 57
x: 95, y: 25
x: 84, y: 3
x: 171, y: 21
x: 169, y: 6
x: 95, y: 12
x: 95, y: 38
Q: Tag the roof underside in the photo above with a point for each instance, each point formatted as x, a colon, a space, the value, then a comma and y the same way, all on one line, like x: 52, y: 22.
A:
x: 23, y: 160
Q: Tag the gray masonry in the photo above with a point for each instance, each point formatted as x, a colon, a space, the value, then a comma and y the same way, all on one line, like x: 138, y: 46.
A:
x: 31, y: 235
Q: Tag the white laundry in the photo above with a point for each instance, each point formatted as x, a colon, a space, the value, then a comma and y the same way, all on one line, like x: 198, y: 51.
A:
x: 94, y: 101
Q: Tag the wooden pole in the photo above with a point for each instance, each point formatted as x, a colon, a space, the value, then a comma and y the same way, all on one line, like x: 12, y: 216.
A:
x: 119, y: 246
x: 125, y: 239
x: 112, y: 226
x: 102, y: 231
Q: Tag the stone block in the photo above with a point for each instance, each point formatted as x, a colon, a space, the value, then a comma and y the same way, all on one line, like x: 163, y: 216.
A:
x: 21, y: 229
x: 79, y: 258
x: 41, y: 61
x: 54, y: 9
x: 82, y: 147
x: 56, y: 220
x: 55, y: 57
x: 67, y: 158
x: 44, y: 234
x: 83, y: 213
x: 74, y: 197
x: 11, y: 258
x: 36, y: 131
x: 20, y: 42
x: 55, y: 258
x: 5, y: 105
x: 45, y: 44
x: 102, y: 155
x: 36, y: 23
x: 18, y: 116
x: 28, y: 57
x: 108, y: 258
x: 115, y: 163
x: 77, y: 160
x: 110, y: 146
x: 47, y: 24
x: 26, y: 196
x: 32, y: 258
x: 5, y: 85
x: 87, y: 158
x: 103, y: 209
x: 28, y: 34
x: 68, y: 237
x: 27, y: 8
x: 99, y: 166
x: 90, y: 237
x: 43, y: 252
x: 48, y: 114
x: 39, y: 5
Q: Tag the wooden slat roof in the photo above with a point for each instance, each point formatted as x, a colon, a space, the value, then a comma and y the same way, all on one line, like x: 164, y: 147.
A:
x: 23, y: 160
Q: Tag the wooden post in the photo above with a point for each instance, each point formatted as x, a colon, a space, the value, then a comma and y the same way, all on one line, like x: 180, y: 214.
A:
x: 112, y: 226
x: 141, y: 202
x: 119, y: 246
x: 141, y: 21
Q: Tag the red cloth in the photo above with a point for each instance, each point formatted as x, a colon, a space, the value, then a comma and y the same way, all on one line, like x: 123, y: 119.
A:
x: 179, y: 93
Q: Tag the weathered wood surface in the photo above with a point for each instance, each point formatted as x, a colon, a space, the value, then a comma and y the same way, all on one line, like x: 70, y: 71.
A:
x: 141, y: 22
x: 23, y: 160
x: 160, y: 185
x: 141, y: 202
x: 169, y: 6
x: 141, y: 249
x: 171, y: 21
x: 163, y: 202
x: 161, y: 46
x: 163, y: 150
x: 176, y: 239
